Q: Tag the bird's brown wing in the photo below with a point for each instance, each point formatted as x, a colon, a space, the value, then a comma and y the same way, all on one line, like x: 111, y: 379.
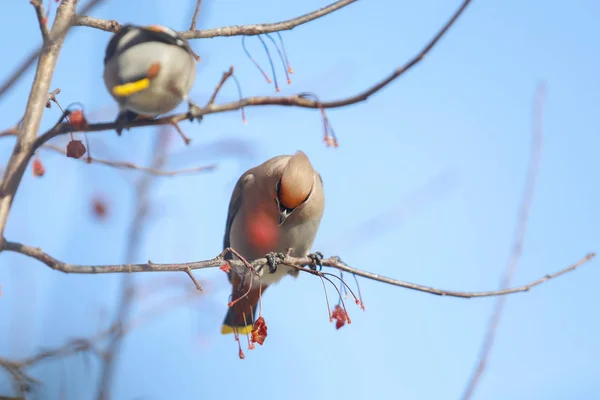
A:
x: 234, y: 206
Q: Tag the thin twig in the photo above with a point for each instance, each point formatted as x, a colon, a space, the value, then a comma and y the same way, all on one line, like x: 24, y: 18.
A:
x: 189, y: 273
x: 195, y: 17
x: 529, y: 190
x: 22, y: 381
x: 333, y: 262
x: 42, y: 18
x: 224, y: 78
x: 107, y: 25
x: 12, y: 131
x: 258, y: 29
x: 52, y: 99
x: 141, y: 168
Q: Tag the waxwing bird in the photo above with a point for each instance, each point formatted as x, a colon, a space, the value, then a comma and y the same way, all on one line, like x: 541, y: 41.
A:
x: 275, y: 206
x: 148, y: 70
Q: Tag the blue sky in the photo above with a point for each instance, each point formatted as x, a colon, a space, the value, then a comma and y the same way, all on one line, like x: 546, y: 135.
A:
x: 464, y: 113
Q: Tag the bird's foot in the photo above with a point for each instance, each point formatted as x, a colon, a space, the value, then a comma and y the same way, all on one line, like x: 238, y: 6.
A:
x: 316, y: 258
x: 193, y: 109
x: 273, y: 259
x: 124, y: 117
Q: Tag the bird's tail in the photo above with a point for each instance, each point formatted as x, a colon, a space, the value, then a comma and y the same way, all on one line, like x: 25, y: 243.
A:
x: 241, y: 316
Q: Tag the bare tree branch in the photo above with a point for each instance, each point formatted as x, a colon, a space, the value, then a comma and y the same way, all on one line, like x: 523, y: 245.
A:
x: 295, y: 100
x: 258, y: 29
x: 107, y: 25
x: 195, y: 17
x: 219, y: 261
x: 235, y: 30
x: 529, y: 190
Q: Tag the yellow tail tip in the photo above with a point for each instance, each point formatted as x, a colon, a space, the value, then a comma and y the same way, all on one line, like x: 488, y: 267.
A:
x: 128, y: 89
x: 242, y: 330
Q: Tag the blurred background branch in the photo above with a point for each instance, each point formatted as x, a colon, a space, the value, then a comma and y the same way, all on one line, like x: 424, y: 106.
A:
x: 139, y: 223
x: 519, y: 239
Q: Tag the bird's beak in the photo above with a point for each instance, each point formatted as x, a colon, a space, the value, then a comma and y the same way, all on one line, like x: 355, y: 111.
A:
x: 283, y: 216
x: 283, y: 213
